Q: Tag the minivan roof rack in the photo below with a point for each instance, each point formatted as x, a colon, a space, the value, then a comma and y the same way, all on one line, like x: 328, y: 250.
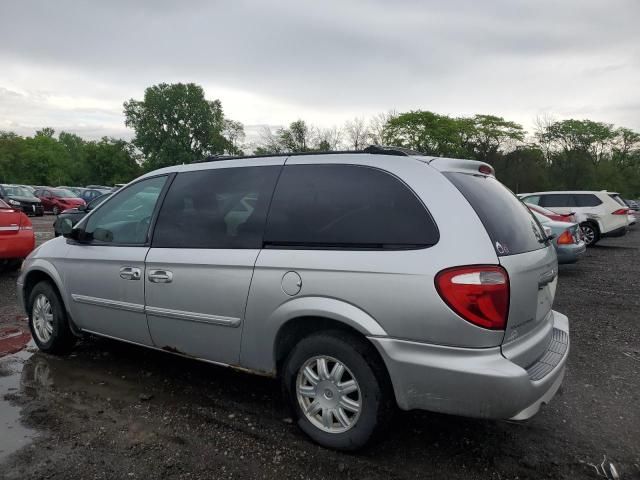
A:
x: 375, y: 149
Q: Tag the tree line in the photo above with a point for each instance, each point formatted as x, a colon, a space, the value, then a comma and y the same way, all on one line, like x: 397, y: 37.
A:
x: 175, y: 124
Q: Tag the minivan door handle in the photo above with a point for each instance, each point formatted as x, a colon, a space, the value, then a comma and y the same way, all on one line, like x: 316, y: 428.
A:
x: 130, y: 273
x: 160, y: 276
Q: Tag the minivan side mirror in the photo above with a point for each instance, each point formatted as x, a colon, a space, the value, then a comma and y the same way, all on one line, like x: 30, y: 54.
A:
x: 67, y: 230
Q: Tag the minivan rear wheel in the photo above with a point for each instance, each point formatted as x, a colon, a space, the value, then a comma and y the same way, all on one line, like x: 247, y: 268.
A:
x: 338, y: 390
x: 590, y: 233
x: 48, y: 320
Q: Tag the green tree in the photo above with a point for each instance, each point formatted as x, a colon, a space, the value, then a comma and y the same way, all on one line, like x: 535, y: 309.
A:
x: 491, y: 135
x: 430, y: 133
x: 298, y: 137
x: 111, y: 161
x: 233, y: 132
x: 174, y: 124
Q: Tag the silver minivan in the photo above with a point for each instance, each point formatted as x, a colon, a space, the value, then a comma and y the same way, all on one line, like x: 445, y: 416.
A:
x: 364, y: 281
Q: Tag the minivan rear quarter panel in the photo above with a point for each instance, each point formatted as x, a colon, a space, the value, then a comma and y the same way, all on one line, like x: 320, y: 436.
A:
x: 357, y: 278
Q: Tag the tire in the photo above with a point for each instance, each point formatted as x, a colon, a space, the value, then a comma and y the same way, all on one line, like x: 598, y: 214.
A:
x: 590, y: 233
x: 48, y: 320
x: 56, y: 210
x: 344, y: 429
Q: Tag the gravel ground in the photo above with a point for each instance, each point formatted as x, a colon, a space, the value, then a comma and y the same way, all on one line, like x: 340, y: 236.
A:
x: 112, y: 410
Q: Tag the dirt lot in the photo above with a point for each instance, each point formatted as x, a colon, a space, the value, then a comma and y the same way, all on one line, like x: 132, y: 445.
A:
x: 111, y: 410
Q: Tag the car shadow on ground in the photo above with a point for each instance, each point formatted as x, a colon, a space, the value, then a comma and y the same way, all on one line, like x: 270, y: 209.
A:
x: 113, y: 377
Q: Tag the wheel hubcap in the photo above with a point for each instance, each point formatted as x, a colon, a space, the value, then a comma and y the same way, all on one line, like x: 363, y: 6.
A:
x: 588, y: 234
x: 42, y: 317
x: 328, y: 394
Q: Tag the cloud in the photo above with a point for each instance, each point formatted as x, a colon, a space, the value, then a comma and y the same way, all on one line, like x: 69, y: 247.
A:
x: 273, y: 62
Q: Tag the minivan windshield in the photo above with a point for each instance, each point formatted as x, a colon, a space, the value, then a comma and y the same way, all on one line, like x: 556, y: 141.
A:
x: 509, y: 223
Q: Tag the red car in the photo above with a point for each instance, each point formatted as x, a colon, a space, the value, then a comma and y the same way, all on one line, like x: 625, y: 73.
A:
x: 58, y: 199
x: 559, y: 217
x: 16, y: 236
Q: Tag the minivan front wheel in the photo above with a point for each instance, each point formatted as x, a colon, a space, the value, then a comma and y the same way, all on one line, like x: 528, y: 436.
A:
x: 338, y: 390
x: 590, y: 233
x: 48, y: 320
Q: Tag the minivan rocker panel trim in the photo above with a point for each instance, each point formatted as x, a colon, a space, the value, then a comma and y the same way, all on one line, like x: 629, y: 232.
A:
x: 159, y: 312
x: 103, y: 302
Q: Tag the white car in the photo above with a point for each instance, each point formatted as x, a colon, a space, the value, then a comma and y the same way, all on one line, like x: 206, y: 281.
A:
x: 600, y: 213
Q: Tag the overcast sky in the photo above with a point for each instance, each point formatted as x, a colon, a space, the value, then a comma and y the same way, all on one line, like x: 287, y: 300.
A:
x: 71, y: 64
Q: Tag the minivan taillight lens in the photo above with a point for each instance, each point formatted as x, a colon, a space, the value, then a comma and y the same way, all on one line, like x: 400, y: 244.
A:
x: 479, y: 294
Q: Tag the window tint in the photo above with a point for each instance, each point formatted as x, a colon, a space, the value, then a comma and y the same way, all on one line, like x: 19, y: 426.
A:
x: 125, y: 218
x: 618, y: 199
x: 557, y: 200
x: 509, y: 223
x: 346, y: 206
x: 218, y: 208
x: 586, y: 200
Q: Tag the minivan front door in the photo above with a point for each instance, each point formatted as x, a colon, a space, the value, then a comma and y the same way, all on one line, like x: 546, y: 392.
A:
x: 104, y: 272
x: 200, y: 265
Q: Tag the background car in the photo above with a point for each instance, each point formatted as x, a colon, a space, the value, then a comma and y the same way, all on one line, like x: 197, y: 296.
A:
x: 76, y: 190
x: 76, y: 214
x: 21, y: 197
x: 599, y: 213
x: 567, y: 238
x: 56, y: 199
x: 17, y: 239
x: 89, y: 194
x: 559, y: 217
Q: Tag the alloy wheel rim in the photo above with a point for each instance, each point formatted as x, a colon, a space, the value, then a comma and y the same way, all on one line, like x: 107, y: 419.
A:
x: 328, y: 394
x: 588, y: 233
x: 42, y: 318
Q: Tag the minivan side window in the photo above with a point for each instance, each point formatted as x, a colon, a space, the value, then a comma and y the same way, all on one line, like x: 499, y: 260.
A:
x: 557, y: 200
x: 216, y: 208
x: 346, y: 207
x: 124, y: 218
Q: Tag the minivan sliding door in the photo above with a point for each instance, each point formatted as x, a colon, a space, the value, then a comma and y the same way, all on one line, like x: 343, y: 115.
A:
x: 200, y: 265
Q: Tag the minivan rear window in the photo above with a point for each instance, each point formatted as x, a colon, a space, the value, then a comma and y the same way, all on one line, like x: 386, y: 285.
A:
x: 346, y: 207
x: 509, y: 223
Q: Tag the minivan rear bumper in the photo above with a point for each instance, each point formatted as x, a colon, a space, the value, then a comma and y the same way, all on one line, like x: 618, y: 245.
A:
x: 471, y: 382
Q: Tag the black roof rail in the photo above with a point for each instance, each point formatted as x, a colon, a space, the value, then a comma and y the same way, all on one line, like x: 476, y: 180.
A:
x: 390, y: 150
x: 372, y: 149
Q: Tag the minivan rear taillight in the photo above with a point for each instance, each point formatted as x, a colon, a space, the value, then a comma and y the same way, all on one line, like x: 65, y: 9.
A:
x: 479, y: 294
x: 620, y: 211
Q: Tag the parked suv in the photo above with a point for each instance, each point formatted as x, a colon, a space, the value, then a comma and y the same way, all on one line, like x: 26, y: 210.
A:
x: 599, y: 213
x: 345, y: 275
